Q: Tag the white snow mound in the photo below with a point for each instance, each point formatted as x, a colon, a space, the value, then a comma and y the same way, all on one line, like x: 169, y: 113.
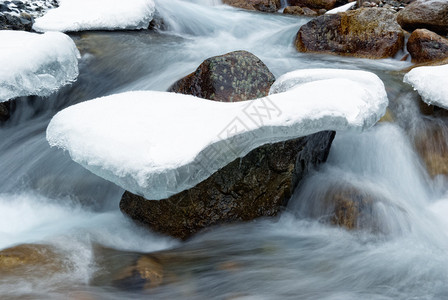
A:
x: 79, y: 15
x: 157, y: 144
x: 343, y: 8
x: 35, y: 64
x: 431, y: 83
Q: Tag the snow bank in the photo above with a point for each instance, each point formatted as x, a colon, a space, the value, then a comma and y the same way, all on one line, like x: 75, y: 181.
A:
x: 342, y: 8
x: 157, y: 144
x: 78, y: 15
x: 431, y: 83
x: 35, y: 64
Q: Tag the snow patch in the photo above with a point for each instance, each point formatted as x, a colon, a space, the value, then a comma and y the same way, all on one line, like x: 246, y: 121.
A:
x: 431, y: 83
x: 342, y: 8
x: 157, y: 144
x: 79, y: 15
x: 35, y: 64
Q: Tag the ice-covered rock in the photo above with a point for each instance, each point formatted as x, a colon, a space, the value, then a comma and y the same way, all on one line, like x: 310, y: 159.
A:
x: 431, y: 83
x: 79, y: 15
x: 35, y: 64
x: 157, y: 144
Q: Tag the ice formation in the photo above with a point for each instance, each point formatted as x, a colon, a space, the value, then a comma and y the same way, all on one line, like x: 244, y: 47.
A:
x: 157, y: 144
x: 79, y: 15
x: 431, y: 83
x: 35, y: 64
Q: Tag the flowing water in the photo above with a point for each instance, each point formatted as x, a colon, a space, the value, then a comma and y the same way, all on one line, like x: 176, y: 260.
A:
x: 399, y: 252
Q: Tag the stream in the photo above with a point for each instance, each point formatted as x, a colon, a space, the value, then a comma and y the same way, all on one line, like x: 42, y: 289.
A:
x: 46, y: 199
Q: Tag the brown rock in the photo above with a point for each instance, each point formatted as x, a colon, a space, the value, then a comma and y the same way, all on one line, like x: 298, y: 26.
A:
x: 353, y: 209
x: 425, y: 45
x: 297, y: 10
x: 309, y: 12
x: 232, y: 77
x: 4, y: 112
x: 32, y: 258
x: 429, y: 14
x: 260, y: 5
x: 365, y: 32
x: 431, y: 144
x: 316, y: 4
x: 260, y: 184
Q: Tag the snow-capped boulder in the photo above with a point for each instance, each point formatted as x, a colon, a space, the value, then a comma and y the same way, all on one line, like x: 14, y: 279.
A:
x: 35, y: 64
x: 235, y: 76
x: 171, y: 142
x: 365, y: 32
x: 256, y: 185
x: 431, y: 83
x: 79, y: 15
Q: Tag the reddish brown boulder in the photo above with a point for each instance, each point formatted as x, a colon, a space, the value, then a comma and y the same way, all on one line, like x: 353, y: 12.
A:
x: 315, y: 4
x: 429, y: 14
x: 231, y: 77
x: 425, y: 45
x: 365, y: 32
x: 260, y: 5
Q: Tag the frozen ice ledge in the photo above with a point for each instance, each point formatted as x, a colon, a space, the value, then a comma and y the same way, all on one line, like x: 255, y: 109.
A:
x: 157, y: 144
x: 35, y: 64
x: 431, y: 83
x: 79, y: 15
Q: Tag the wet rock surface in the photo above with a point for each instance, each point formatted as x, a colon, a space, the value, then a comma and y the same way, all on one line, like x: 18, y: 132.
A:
x: 297, y: 10
x: 365, y: 32
x: 425, y: 45
x: 4, y: 111
x: 428, y: 14
x: 431, y: 144
x: 352, y: 208
x: 260, y: 5
x: 32, y: 259
x: 231, y: 77
x: 257, y: 185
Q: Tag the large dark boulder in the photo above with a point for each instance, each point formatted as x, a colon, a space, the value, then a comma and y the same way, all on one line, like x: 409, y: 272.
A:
x: 425, y: 45
x: 232, y: 77
x: 365, y: 32
x: 260, y: 184
x: 260, y: 5
x: 429, y: 14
